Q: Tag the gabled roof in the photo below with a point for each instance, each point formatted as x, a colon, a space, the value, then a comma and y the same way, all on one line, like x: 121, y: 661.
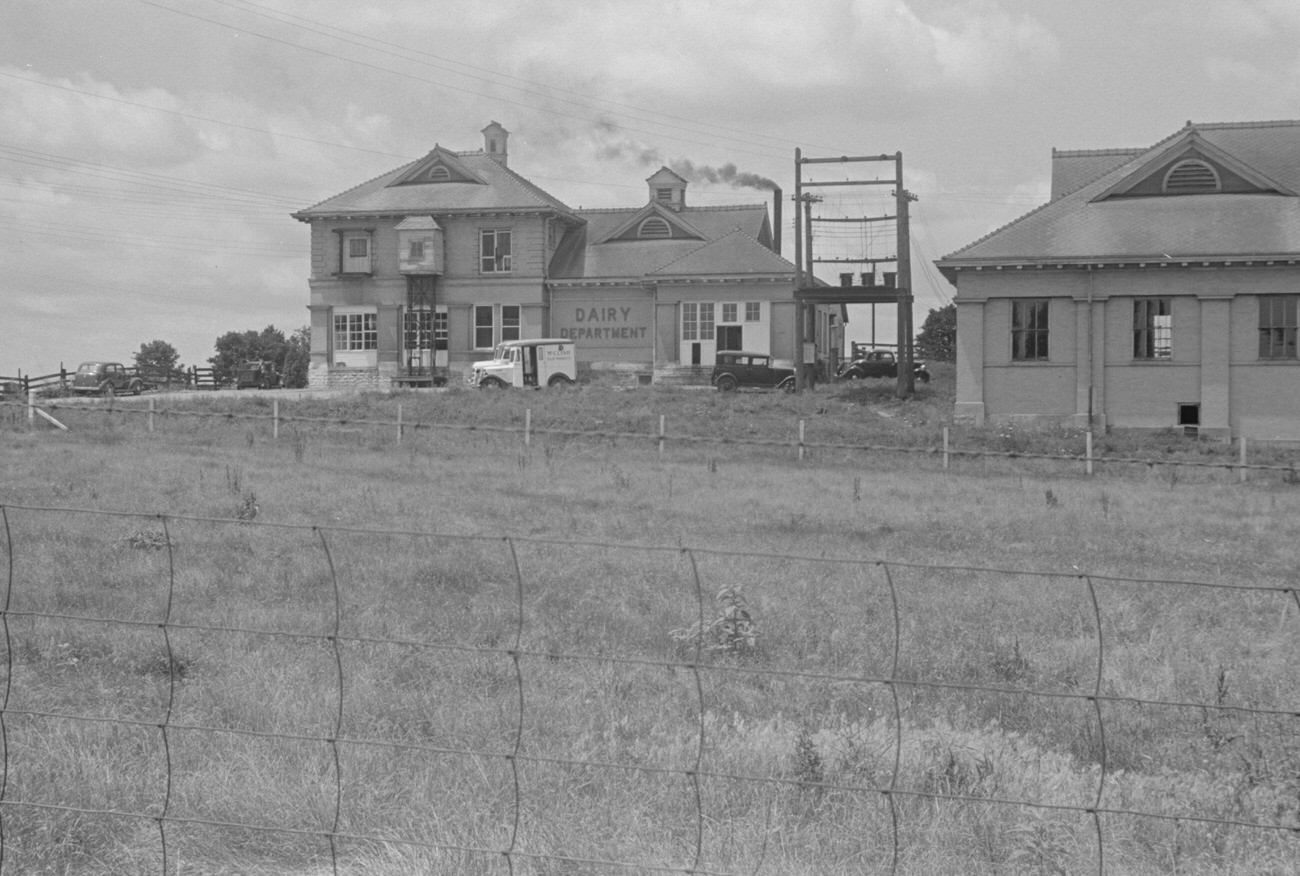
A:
x: 735, y: 254
x: 1121, y: 214
x: 479, y: 183
x: 597, y: 250
x: 679, y: 224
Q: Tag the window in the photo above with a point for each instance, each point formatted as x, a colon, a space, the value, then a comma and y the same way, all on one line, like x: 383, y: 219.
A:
x: 440, y: 330
x: 356, y: 331
x: 416, y: 253
x: 483, y: 326
x: 665, y: 195
x: 690, y: 321
x: 753, y: 311
x: 1191, y: 176
x: 354, y: 253
x: 494, y: 251
x: 417, y: 330
x: 706, y: 320
x: 1153, y: 329
x: 1029, y: 330
x: 510, y: 322
x: 1277, y: 326
x: 655, y: 226
x: 729, y: 313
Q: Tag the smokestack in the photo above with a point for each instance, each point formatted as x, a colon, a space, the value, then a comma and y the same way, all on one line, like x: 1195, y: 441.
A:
x: 776, y: 221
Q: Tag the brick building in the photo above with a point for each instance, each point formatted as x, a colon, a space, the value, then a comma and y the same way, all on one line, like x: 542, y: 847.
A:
x: 423, y: 270
x: 1158, y: 288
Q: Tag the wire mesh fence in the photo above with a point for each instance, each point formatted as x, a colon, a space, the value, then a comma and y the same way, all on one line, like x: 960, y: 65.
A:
x: 201, y: 695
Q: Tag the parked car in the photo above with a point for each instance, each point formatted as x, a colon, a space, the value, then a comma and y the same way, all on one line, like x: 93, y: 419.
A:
x: 257, y: 374
x: 733, y: 369
x: 106, y: 378
x: 878, y: 363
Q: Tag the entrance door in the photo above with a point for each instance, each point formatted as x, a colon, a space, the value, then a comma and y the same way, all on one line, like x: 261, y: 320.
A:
x: 729, y: 337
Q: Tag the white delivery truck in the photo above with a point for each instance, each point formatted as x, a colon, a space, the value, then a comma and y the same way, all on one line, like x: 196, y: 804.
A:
x: 540, y: 362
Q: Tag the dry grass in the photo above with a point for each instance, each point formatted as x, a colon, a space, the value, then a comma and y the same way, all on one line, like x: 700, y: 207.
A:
x: 429, y: 615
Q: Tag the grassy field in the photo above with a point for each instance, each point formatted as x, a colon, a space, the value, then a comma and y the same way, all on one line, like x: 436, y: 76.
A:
x: 264, y: 640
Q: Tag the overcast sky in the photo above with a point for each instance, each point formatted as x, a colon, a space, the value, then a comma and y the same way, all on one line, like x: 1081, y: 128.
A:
x: 151, y: 151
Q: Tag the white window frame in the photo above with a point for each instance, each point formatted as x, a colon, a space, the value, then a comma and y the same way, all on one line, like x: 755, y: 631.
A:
x: 355, y: 342
x: 477, y: 325
x: 490, y: 258
x: 730, y: 313
x: 753, y: 311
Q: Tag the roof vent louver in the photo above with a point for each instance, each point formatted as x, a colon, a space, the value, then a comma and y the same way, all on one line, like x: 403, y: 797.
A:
x: 1191, y: 176
x: 655, y: 226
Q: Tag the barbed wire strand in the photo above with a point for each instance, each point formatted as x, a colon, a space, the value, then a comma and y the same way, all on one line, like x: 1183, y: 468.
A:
x: 1288, y: 470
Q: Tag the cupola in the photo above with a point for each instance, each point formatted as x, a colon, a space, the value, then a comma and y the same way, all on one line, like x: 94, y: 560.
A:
x: 494, y: 141
x: 667, y: 189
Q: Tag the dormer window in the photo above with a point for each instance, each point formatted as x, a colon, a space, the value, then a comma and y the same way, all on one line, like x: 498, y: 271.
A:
x: 1191, y: 176
x: 655, y: 226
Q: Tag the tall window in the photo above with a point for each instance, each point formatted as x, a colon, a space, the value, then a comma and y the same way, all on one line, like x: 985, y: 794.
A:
x: 690, y: 321
x: 1029, y: 329
x: 706, y: 320
x: 509, y: 322
x: 356, y: 331
x: 483, y: 326
x: 1153, y: 329
x: 1277, y: 326
x: 440, y: 330
x: 417, y: 330
x: 494, y: 251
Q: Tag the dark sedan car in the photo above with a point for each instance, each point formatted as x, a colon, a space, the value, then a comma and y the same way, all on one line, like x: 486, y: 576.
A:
x: 736, y: 368
x: 878, y: 363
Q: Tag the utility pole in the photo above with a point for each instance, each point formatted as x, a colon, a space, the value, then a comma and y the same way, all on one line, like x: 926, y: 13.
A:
x: 906, y: 378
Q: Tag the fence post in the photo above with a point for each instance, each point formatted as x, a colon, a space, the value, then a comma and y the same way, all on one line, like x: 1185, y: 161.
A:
x: 528, y: 426
x: 945, y: 447
x: 1241, y: 472
x: 275, y: 418
x: 399, y: 422
x: 661, y: 436
x: 1087, y: 445
x: 31, y: 407
x: 151, y: 414
x: 801, y: 440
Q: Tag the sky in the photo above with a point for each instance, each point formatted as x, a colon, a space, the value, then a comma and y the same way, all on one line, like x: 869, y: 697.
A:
x: 152, y: 151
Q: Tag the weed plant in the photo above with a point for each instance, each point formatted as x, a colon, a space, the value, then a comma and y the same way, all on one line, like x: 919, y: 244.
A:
x: 826, y: 667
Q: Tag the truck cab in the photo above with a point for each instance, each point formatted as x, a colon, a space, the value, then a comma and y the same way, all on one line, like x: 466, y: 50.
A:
x: 535, y: 363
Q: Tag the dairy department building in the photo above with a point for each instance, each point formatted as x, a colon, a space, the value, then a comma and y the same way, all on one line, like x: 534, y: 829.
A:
x: 422, y: 271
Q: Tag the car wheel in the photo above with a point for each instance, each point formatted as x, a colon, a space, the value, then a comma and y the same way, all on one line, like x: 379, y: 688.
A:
x: 925, y: 376
x: 786, y: 385
x: 853, y: 375
x: 726, y: 383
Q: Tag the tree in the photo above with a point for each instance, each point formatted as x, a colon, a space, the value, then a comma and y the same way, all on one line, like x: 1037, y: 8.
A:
x: 157, y: 359
x: 938, y: 338
x: 297, y: 357
x: 235, y: 348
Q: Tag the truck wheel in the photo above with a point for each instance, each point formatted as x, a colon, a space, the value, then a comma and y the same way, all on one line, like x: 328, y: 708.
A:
x: 136, y: 387
x: 560, y: 380
x: 493, y: 383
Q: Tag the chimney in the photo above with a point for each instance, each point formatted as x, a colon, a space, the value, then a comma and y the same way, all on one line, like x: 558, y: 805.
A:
x: 776, y: 221
x: 495, y: 138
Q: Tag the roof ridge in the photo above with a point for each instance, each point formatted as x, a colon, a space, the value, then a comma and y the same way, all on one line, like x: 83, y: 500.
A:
x: 397, y: 171
x: 1081, y: 153
x: 1275, y: 123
